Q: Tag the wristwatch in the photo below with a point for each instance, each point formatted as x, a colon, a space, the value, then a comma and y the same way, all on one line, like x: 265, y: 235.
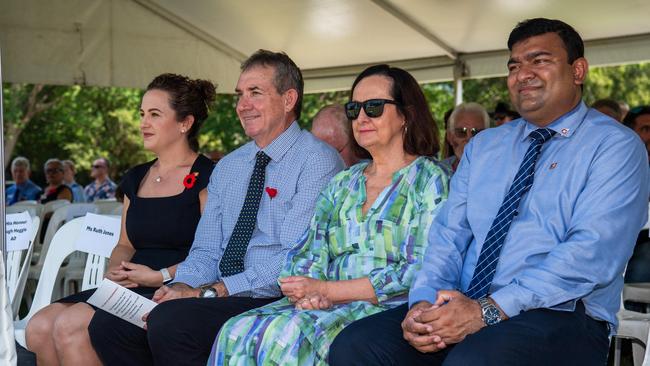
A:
x: 166, y: 276
x: 491, y: 314
x: 208, y: 292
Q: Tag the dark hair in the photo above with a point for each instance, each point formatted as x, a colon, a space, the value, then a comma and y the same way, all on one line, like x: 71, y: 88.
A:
x: 536, y: 27
x: 287, y: 74
x: 609, y: 103
x: 106, y: 161
x: 187, y: 97
x: 634, y: 113
x: 421, y: 137
x: 448, y: 150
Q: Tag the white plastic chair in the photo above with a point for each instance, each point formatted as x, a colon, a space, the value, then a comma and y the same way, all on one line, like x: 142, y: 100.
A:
x: 117, y: 211
x: 17, y: 272
x: 638, y: 292
x: 59, y: 217
x: 107, y: 207
x: 646, y: 357
x: 34, y: 208
x: 47, y: 209
x: 636, y: 327
x: 63, y: 244
x: 7, y: 345
x: 74, y: 271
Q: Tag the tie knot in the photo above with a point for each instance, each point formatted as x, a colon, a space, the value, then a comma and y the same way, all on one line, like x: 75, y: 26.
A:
x: 261, y: 159
x: 541, y: 135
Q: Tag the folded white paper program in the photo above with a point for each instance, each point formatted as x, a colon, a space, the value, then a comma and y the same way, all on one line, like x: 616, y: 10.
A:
x: 121, y: 302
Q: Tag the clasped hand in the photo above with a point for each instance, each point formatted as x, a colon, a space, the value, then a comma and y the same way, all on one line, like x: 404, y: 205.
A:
x: 131, y: 275
x: 431, y: 327
x: 176, y: 291
x: 307, y: 293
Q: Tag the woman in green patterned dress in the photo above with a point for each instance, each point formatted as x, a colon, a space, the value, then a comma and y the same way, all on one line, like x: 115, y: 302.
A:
x: 367, y: 236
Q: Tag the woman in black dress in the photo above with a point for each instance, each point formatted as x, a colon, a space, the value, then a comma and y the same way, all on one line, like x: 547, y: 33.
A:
x: 163, y: 202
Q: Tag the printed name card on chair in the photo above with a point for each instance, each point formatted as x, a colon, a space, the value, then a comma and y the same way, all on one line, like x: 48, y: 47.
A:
x: 18, y: 230
x: 99, y: 234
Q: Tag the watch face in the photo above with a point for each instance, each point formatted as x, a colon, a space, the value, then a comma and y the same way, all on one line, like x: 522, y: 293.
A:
x: 490, y: 312
x: 492, y: 315
x: 208, y: 293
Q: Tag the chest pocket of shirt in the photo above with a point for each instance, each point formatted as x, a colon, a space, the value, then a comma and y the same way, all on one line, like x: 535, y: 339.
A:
x: 273, y: 213
x: 552, y: 197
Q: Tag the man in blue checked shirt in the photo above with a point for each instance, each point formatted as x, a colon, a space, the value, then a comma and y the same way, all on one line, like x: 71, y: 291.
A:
x: 260, y: 200
x: 525, y: 260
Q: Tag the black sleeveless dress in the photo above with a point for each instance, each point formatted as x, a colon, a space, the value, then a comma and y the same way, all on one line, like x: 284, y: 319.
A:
x: 161, y: 229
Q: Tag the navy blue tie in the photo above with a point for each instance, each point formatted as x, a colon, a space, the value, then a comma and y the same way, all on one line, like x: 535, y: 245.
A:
x: 232, y: 261
x: 489, y: 257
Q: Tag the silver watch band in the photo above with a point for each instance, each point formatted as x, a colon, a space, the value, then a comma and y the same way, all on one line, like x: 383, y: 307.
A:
x: 166, y: 276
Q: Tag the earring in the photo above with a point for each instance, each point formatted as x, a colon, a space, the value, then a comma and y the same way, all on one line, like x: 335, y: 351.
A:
x: 183, y: 131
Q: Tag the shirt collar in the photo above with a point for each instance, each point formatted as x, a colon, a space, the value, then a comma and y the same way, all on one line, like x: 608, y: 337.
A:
x: 24, y: 185
x: 278, y: 147
x: 564, y: 126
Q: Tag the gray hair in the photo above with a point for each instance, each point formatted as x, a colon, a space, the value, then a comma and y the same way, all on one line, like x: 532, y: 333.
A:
x: 20, y: 161
x: 52, y: 160
x: 469, y: 108
x: 287, y: 74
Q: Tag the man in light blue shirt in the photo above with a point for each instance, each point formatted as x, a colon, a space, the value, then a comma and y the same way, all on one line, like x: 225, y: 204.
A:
x: 23, y: 188
x: 557, y: 277
x: 182, y: 328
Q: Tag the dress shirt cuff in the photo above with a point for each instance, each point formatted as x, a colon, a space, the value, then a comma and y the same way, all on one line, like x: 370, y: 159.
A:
x: 236, y: 283
x: 422, y: 294
x: 188, y: 279
x: 512, y: 299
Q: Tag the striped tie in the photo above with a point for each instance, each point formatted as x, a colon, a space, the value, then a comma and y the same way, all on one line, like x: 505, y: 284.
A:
x: 232, y: 261
x: 489, y: 257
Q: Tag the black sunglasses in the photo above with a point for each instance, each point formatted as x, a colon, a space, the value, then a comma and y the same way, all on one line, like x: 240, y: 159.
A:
x: 373, y: 108
x: 96, y: 166
x: 461, y: 132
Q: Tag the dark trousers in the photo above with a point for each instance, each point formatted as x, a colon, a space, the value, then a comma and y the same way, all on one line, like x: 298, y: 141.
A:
x: 536, y: 337
x: 179, y: 332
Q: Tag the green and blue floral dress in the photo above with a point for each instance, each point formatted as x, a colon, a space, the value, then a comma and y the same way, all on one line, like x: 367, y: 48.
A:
x: 385, y: 245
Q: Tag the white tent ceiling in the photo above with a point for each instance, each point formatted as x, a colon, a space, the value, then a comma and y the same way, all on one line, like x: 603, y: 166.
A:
x: 127, y: 42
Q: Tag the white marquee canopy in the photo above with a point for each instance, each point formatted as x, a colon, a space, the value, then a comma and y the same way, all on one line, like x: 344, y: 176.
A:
x: 127, y: 42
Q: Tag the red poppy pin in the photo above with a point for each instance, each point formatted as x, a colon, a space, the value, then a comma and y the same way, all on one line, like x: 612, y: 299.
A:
x: 190, y: 180
x: 272, y: 192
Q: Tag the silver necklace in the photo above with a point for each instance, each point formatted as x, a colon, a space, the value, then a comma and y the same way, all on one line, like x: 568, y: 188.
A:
x: 159, y: 177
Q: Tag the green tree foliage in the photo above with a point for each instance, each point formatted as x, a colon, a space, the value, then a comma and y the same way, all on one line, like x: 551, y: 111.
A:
x: 81, y: 123
x: 84, y: 123
x: 627, y: 83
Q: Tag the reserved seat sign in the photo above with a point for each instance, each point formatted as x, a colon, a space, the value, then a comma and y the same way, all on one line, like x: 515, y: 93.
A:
x: 18, y: 230
x: 99, y: 234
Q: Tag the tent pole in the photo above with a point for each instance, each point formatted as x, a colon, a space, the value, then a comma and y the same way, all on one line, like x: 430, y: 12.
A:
x: 461, y: 71
x: 458, y: 91
x: 3, y: 244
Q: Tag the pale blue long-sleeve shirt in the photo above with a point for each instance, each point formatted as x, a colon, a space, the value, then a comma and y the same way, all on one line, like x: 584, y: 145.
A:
x: 300, y: 167
x: 575, y: 229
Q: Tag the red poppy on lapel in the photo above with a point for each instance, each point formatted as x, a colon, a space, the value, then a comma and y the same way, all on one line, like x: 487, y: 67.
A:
x: 190, y: 180
x: 272, y: 192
